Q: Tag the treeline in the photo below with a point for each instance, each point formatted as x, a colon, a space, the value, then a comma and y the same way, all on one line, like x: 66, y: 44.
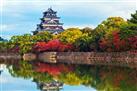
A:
x: 113, y: 35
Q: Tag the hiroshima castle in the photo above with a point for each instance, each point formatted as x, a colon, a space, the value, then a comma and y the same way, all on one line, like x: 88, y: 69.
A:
x: 49, y: 22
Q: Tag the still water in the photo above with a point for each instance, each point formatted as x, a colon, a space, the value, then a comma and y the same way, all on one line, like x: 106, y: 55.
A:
x: 20, y: 75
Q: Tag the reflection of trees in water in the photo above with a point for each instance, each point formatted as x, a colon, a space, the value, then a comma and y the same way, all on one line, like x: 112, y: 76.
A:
x: 117, y: 79
x: 105, y: 78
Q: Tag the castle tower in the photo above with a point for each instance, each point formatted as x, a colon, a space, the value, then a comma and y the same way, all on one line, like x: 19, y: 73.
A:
x: 49, y: 22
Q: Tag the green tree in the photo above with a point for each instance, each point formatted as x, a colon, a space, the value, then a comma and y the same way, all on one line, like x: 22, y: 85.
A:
x: 42, y: 36
x: 107, y: 27
x: 83, y: 42
x: 24, y: 42
x: 129, y: 29
x: 87, y: 30
x: 133, y: 19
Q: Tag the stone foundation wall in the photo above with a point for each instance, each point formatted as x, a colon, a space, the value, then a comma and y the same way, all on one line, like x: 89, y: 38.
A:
x: 114, y: 58
x: 128, y: 59
x: 95, y: 58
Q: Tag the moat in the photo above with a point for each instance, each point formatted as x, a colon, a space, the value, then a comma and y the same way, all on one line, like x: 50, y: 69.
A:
x: 40, y: 76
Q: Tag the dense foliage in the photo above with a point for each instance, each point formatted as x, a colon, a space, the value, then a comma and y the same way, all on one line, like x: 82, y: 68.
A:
x: 24, y: 43
x: 53, y: 45
x: 70, y: 35
x: 113, y: 35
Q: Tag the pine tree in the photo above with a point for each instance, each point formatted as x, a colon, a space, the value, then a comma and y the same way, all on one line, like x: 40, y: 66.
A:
x: 133, y: 22
x: 133, y: 18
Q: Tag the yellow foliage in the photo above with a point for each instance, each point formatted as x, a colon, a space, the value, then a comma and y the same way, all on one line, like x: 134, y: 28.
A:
x: 69, y: 35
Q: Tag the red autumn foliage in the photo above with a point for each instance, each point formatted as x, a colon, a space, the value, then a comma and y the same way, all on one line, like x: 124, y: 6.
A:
x: 53, y: 45
x: 116, y: 44
x: 53, y: 69
x: 133, y: 42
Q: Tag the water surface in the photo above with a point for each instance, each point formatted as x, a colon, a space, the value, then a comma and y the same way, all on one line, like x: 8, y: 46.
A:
x: 20, y: 75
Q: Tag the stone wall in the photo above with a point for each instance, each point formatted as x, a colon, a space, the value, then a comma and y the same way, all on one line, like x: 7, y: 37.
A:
x: 9, y: 57
x: 94, y: 58
x: 113, y: 58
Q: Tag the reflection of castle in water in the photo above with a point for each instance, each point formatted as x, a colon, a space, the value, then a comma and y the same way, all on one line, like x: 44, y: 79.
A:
x: 49, y: 86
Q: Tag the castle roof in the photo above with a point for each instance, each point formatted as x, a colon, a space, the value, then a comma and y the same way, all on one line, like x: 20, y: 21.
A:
x: 50, y: 22
x: 50, y: 10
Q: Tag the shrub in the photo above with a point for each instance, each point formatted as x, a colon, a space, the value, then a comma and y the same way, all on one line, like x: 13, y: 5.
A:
x: 53, y: 45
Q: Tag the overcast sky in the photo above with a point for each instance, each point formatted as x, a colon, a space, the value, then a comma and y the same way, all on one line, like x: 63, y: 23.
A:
x: 21, y: 16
